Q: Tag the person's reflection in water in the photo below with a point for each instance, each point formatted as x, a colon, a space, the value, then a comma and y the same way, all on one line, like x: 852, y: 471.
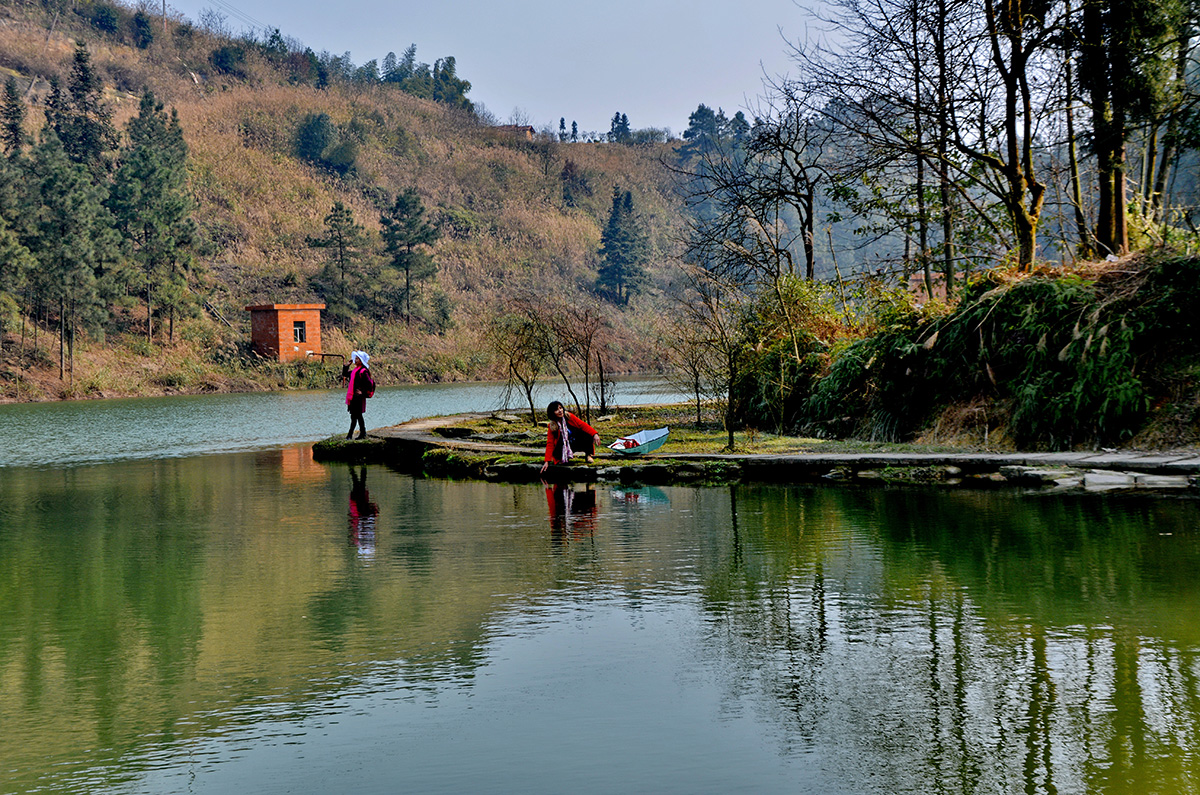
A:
x: 362, y: 514
x: 572, y: 513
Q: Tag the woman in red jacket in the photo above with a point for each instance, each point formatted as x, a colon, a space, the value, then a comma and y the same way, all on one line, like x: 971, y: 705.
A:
x: 567, y: 435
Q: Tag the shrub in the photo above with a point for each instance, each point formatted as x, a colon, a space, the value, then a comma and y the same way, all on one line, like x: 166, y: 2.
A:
x: 229, y: 60
x: 142, y: 29
x: 105, y: 19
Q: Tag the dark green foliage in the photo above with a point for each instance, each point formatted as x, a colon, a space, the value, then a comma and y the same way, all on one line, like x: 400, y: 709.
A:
x: 12, y: 118
x: 439, y: 82
x: 319, y: 142
x: 71, y: 237
x: 623, y: 251
x: 229, y: 60
x: 346, y: 241
x: 142, y: 29
x: 105, y: 19
x: 619, y: 131
x: 709, y: 130
x: 80, y: 119
x: 275, y: 48
x: 773, y: 386
x: 150, y: 204
x: 342, y: 157
x: 406, y: 233
x: 315, y: 135
x: 15, y: 259
x: 575, y: 184
x: 1065, y: 357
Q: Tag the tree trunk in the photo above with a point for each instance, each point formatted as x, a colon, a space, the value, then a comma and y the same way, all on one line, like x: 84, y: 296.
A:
x: 945, y: 189
x: 1085, y: 250
x: 1171, y: 137
x: 62, y: 338
x: 919, y: 149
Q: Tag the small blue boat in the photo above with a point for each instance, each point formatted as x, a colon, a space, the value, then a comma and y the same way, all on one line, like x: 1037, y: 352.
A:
x: 641, y: 442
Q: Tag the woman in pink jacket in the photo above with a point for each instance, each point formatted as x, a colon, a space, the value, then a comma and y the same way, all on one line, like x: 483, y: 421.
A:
x: 359, y: 387
x: 567, y: 435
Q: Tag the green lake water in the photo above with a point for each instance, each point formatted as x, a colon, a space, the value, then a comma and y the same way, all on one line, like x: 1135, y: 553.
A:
x: 258, y: 622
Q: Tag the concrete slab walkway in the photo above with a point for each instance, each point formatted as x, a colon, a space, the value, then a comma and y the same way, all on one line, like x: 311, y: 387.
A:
x: 1093, y: 471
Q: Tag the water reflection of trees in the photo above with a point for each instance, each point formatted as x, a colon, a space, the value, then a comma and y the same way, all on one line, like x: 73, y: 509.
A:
x: 968, y: 642
x: 913, y: 641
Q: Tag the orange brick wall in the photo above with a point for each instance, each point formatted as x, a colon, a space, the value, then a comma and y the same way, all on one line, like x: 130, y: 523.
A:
x: 271, y: 330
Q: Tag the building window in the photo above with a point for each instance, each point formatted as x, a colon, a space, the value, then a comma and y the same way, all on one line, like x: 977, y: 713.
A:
x: 298, y: 331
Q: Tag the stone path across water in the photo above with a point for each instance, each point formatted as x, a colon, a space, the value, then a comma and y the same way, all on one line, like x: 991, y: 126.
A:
x: 1095, y: 471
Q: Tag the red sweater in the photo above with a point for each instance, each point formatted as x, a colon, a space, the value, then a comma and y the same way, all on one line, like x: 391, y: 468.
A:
x: 552, y: 432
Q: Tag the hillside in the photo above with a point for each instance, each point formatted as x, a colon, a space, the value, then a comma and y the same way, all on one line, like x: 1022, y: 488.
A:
x: 496, y: 197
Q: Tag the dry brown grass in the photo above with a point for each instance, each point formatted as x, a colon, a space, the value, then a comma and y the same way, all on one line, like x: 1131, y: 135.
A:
x: 257, y: 204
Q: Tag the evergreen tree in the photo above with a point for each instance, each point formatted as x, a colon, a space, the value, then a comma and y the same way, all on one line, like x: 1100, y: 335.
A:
x: 12, y: 118
x: 16, y: 261
x: 702, y: 134
x: 619, y: 131
x: 574, y: 131
x: 315, y: 134
x: 562, y: 129
x: 575, y: 185
x: 405, y: 233
x: 623, y: 251
x: 72, y: 238
x: 275, y: 47
x: 151, y: 207
x: 346, y: 242
x: 143, y: 30
x: 79, y: 117
x: 387, y: 70
x: 738, y: 128
x: 448, y: 88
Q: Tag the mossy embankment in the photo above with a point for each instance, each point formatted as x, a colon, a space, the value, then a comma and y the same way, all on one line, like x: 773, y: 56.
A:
x: 503, y: 447
x: 1104, y: 355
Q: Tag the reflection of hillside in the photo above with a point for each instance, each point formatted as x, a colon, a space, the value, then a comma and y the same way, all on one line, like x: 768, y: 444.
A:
x: 150, y: 602
x: 938, y: 642
x: 968, y: 643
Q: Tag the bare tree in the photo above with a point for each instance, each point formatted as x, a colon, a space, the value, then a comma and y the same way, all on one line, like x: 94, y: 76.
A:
x: 978, y: 105
x: 517, y: 341
x: 711, y: 309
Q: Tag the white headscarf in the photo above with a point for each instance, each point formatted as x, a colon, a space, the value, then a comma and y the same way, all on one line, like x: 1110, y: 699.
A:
x: 362, y: 357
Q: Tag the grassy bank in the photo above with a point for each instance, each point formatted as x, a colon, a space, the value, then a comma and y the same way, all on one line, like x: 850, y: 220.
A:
x: 686, y: 436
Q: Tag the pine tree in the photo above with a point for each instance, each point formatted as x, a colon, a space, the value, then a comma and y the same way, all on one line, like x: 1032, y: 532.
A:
x: 143, y: 30
x: 72, y: 238
x: 16, y: 262
x: 448, y: 87
x: 405, y: 232
x: 150, y: 204
x: 623, y: 251
x: 79, y: 117
x: 619, y: 131
x: 346, y: 242
x: 12, y: 118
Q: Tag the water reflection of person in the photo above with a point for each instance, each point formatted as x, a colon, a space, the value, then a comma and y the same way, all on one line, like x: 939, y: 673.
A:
x: 362, y: 513
x: 572, y: 513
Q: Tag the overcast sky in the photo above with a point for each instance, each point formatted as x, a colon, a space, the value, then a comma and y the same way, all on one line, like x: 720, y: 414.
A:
x: 652, y: 60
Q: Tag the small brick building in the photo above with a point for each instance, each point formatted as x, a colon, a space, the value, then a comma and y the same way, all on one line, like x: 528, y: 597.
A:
x: 287, y: 332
